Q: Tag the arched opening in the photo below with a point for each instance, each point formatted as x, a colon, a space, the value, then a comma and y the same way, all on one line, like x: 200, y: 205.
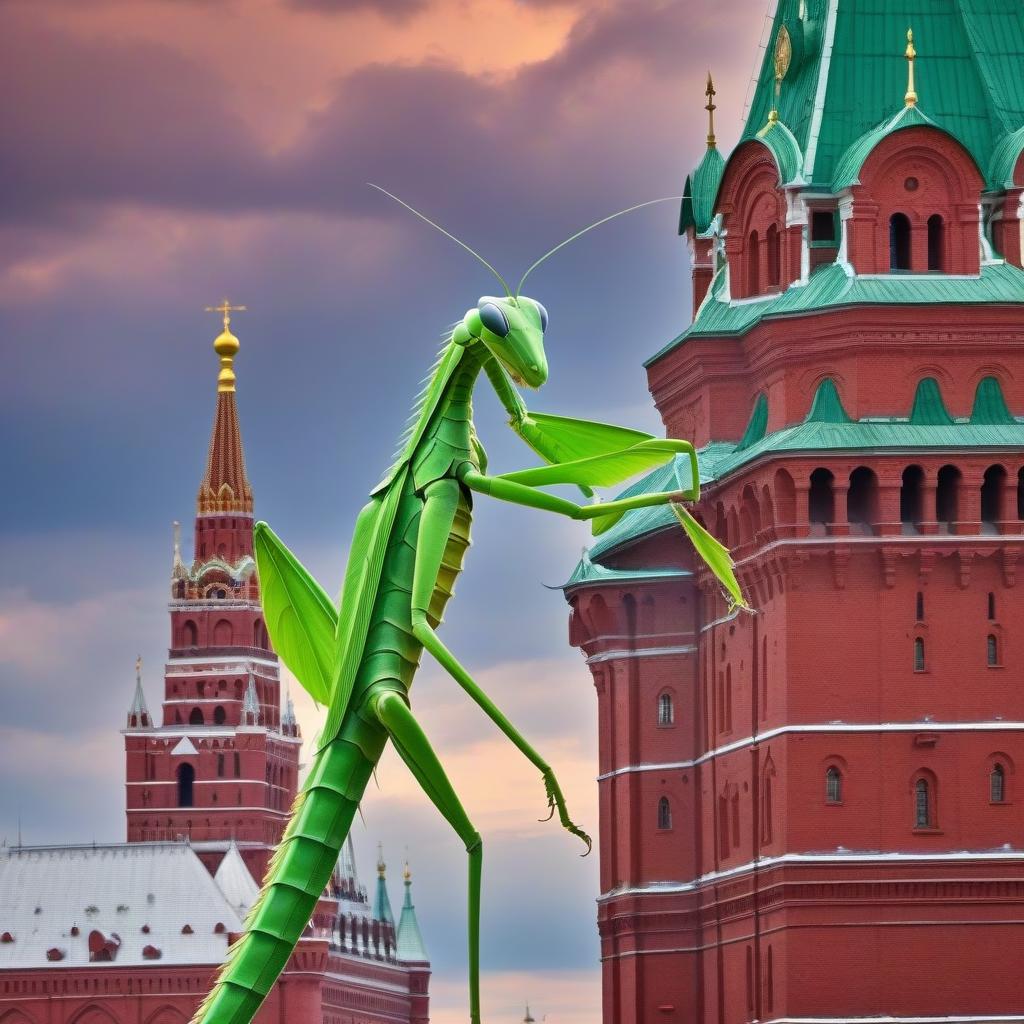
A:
x: 862, y: 500
x: 785, y: 499
x: 919, y: 662
x: 196, y: 717
x: 821, y: 501
x: 833, y: 786
x: 189, y: 634
x: 911, y: 499
x: 947, y: 497
x: 219, y: 715
x: 223, y: 634
x: 924, y: 805
x: 993, y: 488
x: 664, y: 813
x: 186, y: 779
x: 936, y: 243
x: 919, y: 606
x: 774, y: 257
x: 259, y: 634
x: 997, y: 784
x: 899, y: 242
x: 753, y: 264
x: 665, y: 709
x: 992, y: 650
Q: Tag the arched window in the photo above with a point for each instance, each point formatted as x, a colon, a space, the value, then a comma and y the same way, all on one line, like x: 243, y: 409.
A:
x: 899, y: 242
x: 992, y: 650
x: 223, y: 634
x: 936, y: 243
x: 923, y: 811
x: 664, y: 813
x: 997, y: 784
x: 821, y: 502
x: 991, y: 606
x: 753, y: 264
x: 919, y: 665
x: 947, y: 496
x: 196, y: 717
x: 219, y: 715
x: 665, y: 711
x: 911, y: 506
x: 833, y: 786
x: 919, y: 606
x: 774, y: 257
x: 186, y: 777
x: 862, y: 500
x: 189, y: 634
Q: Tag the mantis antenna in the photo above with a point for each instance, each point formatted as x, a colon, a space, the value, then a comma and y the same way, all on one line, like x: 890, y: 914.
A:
x: 447, y: 234
x: 589, y: 227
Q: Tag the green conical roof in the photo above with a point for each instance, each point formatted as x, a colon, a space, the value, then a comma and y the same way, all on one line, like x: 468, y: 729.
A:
x: 701, y: 191
x: 847, y: 75
x: 381, y: 900
x: 411, y: 947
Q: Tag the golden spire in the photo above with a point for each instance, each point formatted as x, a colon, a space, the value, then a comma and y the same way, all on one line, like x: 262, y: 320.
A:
x: 407, y: 874
x: 783, y: 58
x: 910, y: 53
x: 381, y: 866
x: 711, y: 108
x: 226, y: 345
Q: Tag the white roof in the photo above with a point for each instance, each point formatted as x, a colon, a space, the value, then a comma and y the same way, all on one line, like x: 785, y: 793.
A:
x: 235, y: 881
x: 185, y: 746
x: 114, y: 889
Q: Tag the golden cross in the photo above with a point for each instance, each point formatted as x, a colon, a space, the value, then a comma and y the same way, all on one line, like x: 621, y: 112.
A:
x: 226, y: 309
x: 711, y: 108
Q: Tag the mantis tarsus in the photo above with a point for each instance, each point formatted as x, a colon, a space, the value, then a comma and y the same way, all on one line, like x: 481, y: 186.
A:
x: 406, y: 554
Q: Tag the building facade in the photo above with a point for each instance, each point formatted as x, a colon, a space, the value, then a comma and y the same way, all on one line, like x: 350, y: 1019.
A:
x: 812, y: 812
x: 133, y: 933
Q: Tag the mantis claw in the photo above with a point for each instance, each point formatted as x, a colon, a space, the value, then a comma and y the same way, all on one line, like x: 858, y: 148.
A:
x: 557, y: 802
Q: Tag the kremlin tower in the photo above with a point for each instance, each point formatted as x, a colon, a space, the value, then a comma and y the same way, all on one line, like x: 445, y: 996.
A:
x: 221, y: 764
x: 811, y: 813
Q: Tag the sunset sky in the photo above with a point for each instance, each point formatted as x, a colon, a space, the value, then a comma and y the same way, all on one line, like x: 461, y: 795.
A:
x: 158, y: 155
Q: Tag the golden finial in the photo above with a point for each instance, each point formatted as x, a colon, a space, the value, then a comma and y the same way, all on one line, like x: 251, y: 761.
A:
x: 407, y: 874
x: 711, y: 108
x: 226, y: 345
x: 381, y: 866
x: 783, y: 58
x: 911, y: 53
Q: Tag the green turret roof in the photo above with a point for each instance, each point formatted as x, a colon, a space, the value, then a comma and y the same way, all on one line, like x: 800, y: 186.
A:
x: 701, y: 191
x: 850, y: 163
x: 411, y: 947
x: 847, y: 74
x: 381, y: 900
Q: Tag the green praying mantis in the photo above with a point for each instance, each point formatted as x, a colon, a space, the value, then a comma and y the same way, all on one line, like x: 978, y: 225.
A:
x: 408, y: 547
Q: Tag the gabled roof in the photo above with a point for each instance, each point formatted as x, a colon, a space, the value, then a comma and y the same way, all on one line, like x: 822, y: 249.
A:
x: 785, y: 149
x: 116, y: 890
x: 235, y: 881
x: 848, y: 74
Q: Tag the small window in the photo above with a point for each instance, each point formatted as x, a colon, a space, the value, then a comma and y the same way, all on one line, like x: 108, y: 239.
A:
x: 196, y: 717
x: 936, y: 243
x: 186, y: 778
x: 220, y: 766
x: 664, y: 814
x: 823, y: 226
x: 238, y: 765
x: 219, y: 715
x: 922, y: 804
x: 991, y: 606
x: 833, y: 786
x: 899, y: 242
x: 918, y: 654
x: 992, y: 650
x: 665, y: 710
x: 997, y: 784
x: 920, y: 606
x: 753, y: 264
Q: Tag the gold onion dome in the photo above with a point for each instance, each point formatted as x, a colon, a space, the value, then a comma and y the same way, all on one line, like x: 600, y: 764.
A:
x: 226, y: 346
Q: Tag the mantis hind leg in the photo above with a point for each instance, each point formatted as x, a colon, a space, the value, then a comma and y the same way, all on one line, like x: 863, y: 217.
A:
x: 414, y: 748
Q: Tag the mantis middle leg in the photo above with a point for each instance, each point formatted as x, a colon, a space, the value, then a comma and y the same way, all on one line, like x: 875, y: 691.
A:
x: 441, y: 503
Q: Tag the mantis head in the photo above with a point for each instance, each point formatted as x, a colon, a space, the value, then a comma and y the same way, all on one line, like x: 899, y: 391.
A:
x: 512, y: 329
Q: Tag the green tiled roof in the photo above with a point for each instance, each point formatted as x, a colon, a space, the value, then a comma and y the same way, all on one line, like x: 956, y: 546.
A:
x: 929, y: 410
x: 588, y: 572
x: 989, y: 403
x: 832, y: 286
x: 757, y: 425
x: 701, y: 191
x: 848, y: 73
x: 786, y: 150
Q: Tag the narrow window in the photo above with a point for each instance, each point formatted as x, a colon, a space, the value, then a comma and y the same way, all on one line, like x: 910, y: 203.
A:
x: 997, y: 784
x: 991, y: 606
x: 918, y: 654
x: 992, y: 650
x: 899, y: 242
x: 920, y: 606
x: 993, y: 488
x: 821, y: 503
x: 665, y: 711
x: 186, y: 777
x: 196, y: 717
x: 219, y: 715
x: 833, y: 786
x: 936, y: 238
x: 220, y: 766
x: 862, y: 500
x: 947, y: 496
x: 766, y: 809
x: 910, y: 499
x: 735, y: 819
x: 922, y: 804
x: 753, y: 261
x: 664, y: 814
x: 774, y: 257
x: 238, y: 765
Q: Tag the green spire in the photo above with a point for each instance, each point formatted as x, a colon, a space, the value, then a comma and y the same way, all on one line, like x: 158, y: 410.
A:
x: 411, y: 948
x: 827, y: 406
x: 989, y: 403
x: 929, y: 410
x: 381, y: 901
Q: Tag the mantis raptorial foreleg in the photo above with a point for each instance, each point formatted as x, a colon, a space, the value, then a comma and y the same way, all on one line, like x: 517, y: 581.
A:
x: 415, y: 750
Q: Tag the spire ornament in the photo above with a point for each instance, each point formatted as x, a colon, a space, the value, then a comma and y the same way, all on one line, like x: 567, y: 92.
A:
x: 911, y: 54
x: 226, y: 345
x: 710, y: 107
x: 783, y: 58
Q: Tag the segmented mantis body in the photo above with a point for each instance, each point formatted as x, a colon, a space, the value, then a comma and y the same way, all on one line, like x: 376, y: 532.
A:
x: 406, y: 554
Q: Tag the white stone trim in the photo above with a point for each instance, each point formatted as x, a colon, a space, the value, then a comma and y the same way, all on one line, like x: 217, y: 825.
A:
x: 818, y: 110
x: 220, y: 659
x: 641, y: 652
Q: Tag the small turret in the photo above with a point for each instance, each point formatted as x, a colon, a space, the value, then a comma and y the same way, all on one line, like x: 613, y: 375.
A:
x: 411, y: 948
x: 251, y: 704
x: 138, y: 713
x: 289, y: 724
x: 381, y: 901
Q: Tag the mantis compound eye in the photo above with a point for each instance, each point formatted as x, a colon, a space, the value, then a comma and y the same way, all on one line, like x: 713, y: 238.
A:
x: 492, y: 317
x: 543, y: 315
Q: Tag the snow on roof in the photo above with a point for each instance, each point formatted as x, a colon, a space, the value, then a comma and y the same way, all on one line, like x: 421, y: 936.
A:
x: 117, y: 890
x: 236, y: 882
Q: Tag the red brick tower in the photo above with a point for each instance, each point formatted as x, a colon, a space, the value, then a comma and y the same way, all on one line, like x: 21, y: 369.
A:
x: 811, y: 813
x: 223, y: 763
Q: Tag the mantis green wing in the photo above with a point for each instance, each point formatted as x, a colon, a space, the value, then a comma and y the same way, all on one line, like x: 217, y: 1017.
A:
x: 564, y: 439
x: 300, y: 617
x: 715, y: 555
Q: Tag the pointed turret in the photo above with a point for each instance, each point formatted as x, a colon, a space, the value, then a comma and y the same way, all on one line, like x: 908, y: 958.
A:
x: 251, y: 704
x: 138, y: 713
x: 381, y: 901
x: 289, y: 723
x: 411, y: 948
